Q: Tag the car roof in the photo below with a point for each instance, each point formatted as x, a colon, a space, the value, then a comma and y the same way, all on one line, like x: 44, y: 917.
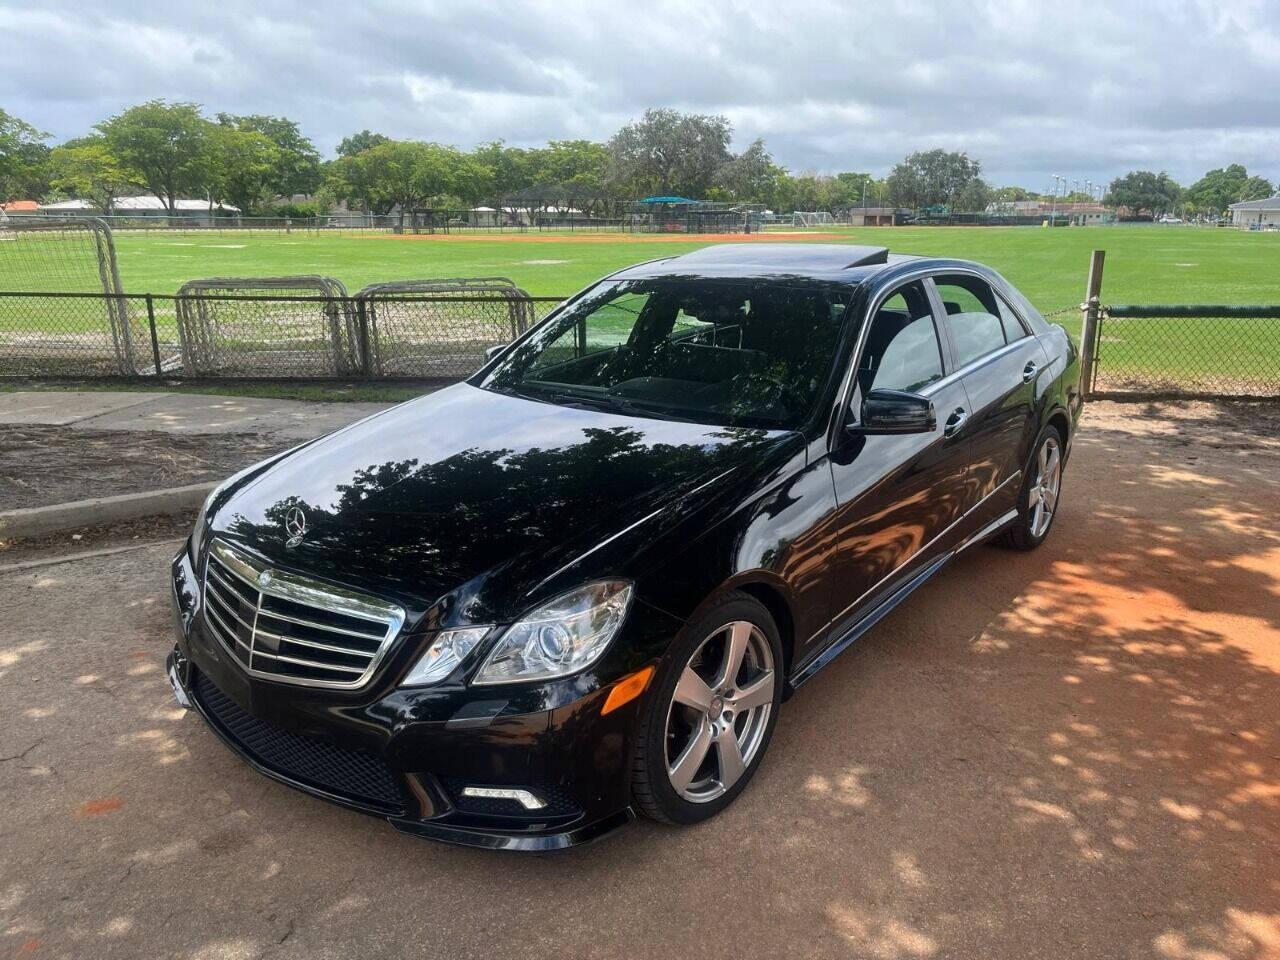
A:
x: 831, y: 262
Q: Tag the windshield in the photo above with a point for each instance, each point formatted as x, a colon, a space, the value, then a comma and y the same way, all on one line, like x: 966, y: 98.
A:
x: 734, y: 353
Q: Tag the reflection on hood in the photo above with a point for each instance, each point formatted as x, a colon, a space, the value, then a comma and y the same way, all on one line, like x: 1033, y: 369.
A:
x: 464, y: 482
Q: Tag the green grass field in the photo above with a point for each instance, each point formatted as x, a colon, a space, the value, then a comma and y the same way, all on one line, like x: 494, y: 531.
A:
x: 1144, y: 264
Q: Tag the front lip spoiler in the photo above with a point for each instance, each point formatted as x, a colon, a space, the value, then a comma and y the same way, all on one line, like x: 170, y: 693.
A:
x: 486, y: 840
x: 524, y: 843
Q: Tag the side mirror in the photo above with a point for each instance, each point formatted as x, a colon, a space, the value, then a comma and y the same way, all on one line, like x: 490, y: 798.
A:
x: 491, y: 352
x: 893, y: 411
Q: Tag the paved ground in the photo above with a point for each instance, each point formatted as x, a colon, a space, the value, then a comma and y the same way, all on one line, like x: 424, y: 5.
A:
x: 1068, y: 754
x: 181, y: 413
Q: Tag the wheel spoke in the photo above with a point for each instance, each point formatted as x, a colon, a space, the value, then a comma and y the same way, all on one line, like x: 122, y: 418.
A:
x: 735, y: 648
x: 1036, y: 516
x: 1051, y: 465
x: 1042, y: 462
x: 692, y: 691
x: 756, y: 693
x: 729, y: 755
x: 690, y: 759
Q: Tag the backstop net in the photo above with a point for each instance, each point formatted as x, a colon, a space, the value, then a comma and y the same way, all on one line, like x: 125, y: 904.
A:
x: 102, y: 333
x: 440, y: 327
x: 267, y: 326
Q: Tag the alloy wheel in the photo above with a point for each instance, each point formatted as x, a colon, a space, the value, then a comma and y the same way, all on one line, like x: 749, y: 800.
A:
x: 719, y: 712
x: 1043, y: 499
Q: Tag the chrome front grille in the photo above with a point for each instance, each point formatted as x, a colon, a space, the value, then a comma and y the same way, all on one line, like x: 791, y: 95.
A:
x: 293, y: 629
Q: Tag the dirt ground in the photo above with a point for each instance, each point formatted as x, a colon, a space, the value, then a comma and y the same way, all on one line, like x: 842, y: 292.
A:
x: 42, y: 464
x: 1073, y: 753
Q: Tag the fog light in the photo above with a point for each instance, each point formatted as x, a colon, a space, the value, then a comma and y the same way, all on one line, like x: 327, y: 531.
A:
x: 523, y: 797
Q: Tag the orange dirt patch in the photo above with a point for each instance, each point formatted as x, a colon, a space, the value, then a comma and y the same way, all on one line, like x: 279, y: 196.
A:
x: 95, y: 808
x: 606, y: 237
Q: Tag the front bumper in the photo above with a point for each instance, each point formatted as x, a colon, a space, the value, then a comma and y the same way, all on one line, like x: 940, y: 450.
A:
x: 406, y: 755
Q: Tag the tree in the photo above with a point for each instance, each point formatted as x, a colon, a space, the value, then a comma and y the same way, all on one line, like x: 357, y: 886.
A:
x: 408, y: 175
x: 937, y: 178
x: 1218, y: 189
x: 667, y: 152
x: 87, y: 168
x: 296, y: 168
x: 571, y: 161
x: 165, y: 145
x: 1141, y: 191
x: 23, y: 158
x: 359, y: 142
x: 242, y: 168
x: 751, y: 176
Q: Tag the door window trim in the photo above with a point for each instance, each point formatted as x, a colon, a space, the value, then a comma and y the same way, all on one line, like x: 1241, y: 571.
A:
x: 850, y: 379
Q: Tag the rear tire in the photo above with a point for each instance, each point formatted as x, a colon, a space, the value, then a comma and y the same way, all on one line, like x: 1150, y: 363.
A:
x: 1040, y: 496
x: 707, y: 726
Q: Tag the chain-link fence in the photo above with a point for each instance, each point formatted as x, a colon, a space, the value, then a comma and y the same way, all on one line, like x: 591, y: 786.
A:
x: 1186, y: 350
x: 213, y: 333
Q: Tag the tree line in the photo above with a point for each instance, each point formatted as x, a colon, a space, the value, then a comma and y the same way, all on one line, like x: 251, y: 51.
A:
x: 260, y: 164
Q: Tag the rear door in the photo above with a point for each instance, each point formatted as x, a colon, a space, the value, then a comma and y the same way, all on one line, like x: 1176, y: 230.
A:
x: 999, y: 363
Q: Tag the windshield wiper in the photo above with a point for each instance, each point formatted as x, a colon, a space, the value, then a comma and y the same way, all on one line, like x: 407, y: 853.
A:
x: 616, y: 404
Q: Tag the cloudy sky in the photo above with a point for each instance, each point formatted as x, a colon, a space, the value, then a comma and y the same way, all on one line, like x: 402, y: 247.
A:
x: 1086, y: 90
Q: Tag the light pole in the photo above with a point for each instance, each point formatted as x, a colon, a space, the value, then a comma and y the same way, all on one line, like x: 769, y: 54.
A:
x: 1053, y: 209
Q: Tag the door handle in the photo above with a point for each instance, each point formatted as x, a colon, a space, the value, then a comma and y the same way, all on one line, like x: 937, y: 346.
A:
x: 1029, y: 371
x: 954, y: 422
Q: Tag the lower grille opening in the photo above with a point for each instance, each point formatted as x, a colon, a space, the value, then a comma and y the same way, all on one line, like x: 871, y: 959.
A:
x: 352, y: 774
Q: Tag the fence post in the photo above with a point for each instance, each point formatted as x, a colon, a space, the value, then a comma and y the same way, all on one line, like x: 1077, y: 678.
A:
x: 1090, y: 311
x: 362, y: 324
x: 155, y: 340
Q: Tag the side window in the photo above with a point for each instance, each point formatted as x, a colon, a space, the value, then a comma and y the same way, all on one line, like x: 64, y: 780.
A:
x: 973, y: 316
x: 902, y: 351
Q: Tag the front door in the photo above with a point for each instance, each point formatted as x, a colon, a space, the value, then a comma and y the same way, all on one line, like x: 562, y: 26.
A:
x: 898, y: 496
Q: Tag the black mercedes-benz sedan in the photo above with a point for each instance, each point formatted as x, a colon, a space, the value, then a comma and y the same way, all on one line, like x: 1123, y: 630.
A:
x: 517, y: 611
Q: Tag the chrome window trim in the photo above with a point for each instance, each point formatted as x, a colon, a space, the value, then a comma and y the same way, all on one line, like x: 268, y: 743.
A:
x: 300, y: 589
x: 973, y: 365
x: 903, y: 565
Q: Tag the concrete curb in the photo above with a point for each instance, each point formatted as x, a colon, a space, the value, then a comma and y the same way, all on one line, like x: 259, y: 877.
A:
x: 83, y: 555
x: 41, y: 521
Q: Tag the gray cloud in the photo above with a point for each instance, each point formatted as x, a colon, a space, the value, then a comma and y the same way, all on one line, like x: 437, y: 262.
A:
x: 1082, y: 89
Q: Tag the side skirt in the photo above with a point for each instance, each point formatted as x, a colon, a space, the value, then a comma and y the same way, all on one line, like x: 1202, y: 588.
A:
x: 882, y: 609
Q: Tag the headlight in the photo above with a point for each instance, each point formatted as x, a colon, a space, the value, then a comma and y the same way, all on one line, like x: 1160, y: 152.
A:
x: 448, y: 650
x: 560, y: 637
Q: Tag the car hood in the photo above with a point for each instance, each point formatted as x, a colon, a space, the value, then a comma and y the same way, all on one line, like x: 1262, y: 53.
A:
x: 470, y: 487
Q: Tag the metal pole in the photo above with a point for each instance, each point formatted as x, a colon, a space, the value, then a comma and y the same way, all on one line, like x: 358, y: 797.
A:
x: 155, y: 340
x: 362, y: 325
x: 1090, y: 315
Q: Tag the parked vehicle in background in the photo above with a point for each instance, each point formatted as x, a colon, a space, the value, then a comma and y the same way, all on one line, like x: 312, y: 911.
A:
x: 578, y: 586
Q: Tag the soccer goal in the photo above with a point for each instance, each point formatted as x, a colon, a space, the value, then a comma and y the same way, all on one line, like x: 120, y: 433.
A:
x: 441, y: 327
x: 267, y: 326
x: 811, y: 218
x: 45, y: 256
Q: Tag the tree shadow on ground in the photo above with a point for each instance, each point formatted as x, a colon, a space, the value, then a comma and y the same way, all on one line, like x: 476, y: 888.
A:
x: 1068, y: 753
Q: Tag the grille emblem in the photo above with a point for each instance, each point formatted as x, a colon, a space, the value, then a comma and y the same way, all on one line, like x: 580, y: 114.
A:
x: 295, y: 524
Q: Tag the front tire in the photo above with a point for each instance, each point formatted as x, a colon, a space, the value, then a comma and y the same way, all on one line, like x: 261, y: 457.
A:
x: 1039, y: 497
x: 706, y: 728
